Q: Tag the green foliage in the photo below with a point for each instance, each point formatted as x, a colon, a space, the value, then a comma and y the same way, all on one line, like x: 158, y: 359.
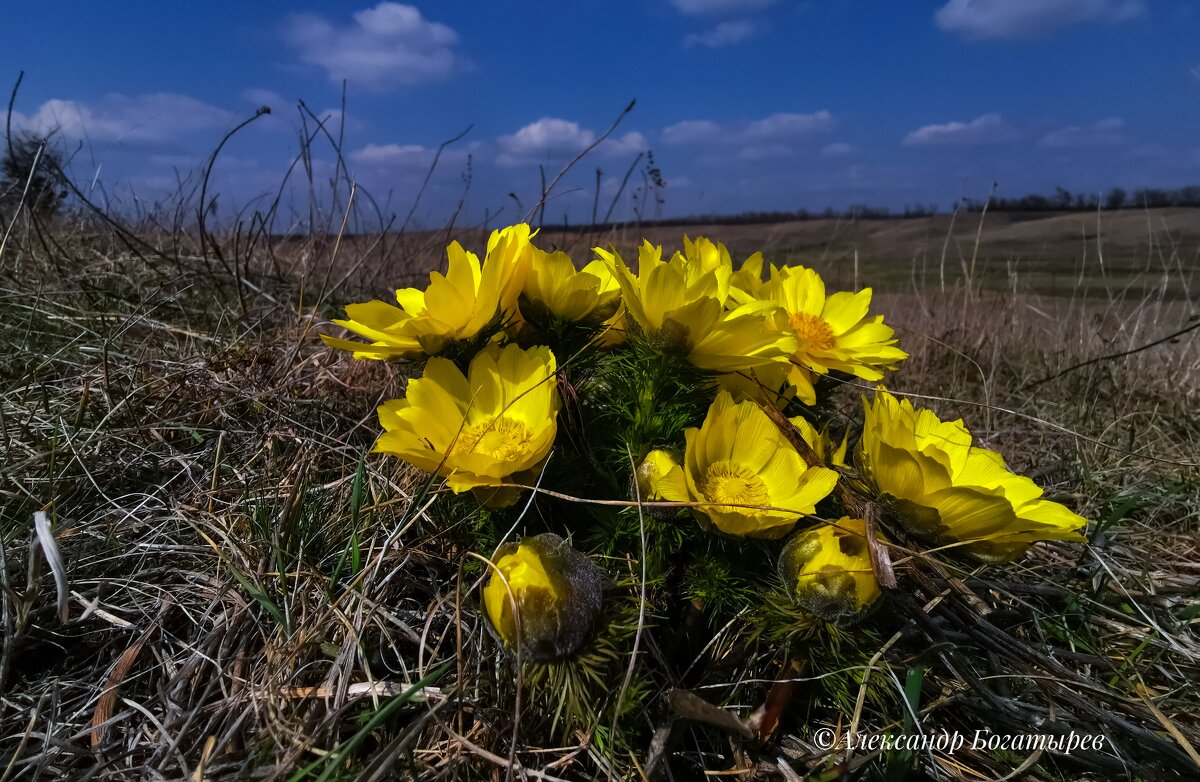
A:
x: 723, y: 573
x: 639, y: 399
x: 296, y: 530
x: 580, y: 692
x: 839, y: 653
x: 617, y: 534
x: 713, y: 583
x: 352, y: 553
x: 570, y: 341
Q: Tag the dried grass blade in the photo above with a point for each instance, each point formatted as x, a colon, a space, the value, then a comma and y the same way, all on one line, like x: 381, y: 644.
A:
x: 54, y: 558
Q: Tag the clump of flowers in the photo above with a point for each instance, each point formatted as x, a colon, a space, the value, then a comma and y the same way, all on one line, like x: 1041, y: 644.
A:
x: 671, y: 420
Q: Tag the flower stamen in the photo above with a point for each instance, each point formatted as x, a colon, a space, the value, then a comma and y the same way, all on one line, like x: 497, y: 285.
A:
x: 813, y: 331
x: 729, y: 482
x: 502, y: 439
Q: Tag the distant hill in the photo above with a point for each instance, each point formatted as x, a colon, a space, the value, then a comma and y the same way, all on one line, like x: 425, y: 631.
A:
x: 892, y: 252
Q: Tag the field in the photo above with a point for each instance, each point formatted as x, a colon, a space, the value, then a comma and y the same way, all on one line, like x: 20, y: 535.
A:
x: 1058, y: 254
x: 228, y: 586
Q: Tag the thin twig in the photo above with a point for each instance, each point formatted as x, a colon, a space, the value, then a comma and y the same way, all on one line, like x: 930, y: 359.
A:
x: 548, y: 189
x: 637, y: 638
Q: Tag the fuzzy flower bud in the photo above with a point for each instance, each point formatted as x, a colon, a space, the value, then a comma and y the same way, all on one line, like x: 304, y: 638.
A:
x: 557, y: 592
x: 827, y: 569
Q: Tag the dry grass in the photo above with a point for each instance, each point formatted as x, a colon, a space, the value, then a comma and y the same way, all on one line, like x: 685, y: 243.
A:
x: 251, y: 597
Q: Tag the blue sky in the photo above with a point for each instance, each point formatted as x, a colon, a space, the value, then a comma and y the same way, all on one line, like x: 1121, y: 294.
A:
x: 746, y: 104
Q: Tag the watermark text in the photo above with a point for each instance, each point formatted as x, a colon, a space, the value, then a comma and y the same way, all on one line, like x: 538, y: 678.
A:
x: 950, y: 742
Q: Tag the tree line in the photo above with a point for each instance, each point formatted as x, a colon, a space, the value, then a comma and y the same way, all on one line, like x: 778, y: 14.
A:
x: 1063, y: 200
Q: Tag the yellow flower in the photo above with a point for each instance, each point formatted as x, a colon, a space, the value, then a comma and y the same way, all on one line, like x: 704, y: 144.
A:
x: 458, y: 305
x: 827, y: 569
x: 833, y: 334
x: 680, y: 306
x: 554, y: 287
x: 478, y: 430
x: 702, y: 256
x: 660, y: 477
x: 738, y: 456
x: 747, y: 282
x: 756, y: 385
x: 944, y: 489
x: 557, y: 593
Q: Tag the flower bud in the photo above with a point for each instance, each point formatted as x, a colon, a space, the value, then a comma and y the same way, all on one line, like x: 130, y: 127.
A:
x: 827, y: 569
x: 659, y: 477
x: 557, y: 592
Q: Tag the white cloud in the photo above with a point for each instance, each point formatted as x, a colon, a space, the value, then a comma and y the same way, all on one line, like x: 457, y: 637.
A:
x: 552, y: 138
x: 1018, y: 19
x: 692, y: 131
x: 724, y: 34
x: 547, y: 136
x: 1106, y: 132
x: 116, y: 118
x: 781, y: 126
x: 770, y: 137
x: 262, y: 97
x: 404, y: 156
x: 988, y: 129
x: 839, y: 149
x: 630, y: 143
x: 386, y: 45
x: 716, y: 7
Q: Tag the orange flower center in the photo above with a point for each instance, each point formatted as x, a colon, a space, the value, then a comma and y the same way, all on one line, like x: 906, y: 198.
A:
x: 813, y: 331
